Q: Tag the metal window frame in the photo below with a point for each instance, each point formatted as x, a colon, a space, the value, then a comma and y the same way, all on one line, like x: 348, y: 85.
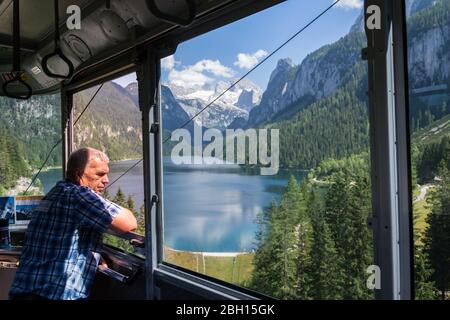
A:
x: 66, y: 127
x: 391, y: 179
x: 148, y: 77
x: 390, y: 150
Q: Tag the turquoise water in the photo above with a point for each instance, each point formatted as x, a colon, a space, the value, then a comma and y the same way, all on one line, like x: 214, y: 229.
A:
x: 206, y: 208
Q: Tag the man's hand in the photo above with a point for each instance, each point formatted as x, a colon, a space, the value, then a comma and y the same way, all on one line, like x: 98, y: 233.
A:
x: 103, y: 262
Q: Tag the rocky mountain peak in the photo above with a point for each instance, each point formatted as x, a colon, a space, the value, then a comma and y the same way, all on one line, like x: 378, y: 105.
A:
x: 283, y: 66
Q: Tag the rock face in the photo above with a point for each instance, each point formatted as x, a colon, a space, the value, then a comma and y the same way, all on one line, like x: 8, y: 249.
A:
x: 273, y: 99
x: 319, y: 74
x: 429, y: 57
x: 322, y: 71
x: 173, y: 114
x: 112, y: 123
x: 246, y: 100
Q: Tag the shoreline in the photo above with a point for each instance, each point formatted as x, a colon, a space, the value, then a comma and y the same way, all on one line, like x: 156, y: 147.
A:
x: 212, y: 254
x: 45, y: 169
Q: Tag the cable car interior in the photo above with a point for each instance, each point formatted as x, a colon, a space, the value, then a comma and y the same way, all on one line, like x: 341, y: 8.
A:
x: 71, y: 53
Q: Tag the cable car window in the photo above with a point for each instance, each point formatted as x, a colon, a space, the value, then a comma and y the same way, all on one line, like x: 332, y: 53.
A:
x: 29, y: 144
x: 266, y: 167
x: 428, y: 24
x: 30, y: 159
x: 110, y: 121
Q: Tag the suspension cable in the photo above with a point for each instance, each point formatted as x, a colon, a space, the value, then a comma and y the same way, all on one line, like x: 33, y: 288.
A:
x: 236, y: 82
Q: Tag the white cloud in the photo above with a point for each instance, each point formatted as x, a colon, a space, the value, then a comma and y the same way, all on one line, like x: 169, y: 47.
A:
x: 214, y: 67
x: 350, y: 4
x: 169, y: 62
x: 195, y: 76
x: 248, y: 61
x: 188, y: 78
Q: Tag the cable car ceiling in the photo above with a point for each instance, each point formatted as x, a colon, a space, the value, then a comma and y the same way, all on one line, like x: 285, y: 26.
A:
x: 107, y: 27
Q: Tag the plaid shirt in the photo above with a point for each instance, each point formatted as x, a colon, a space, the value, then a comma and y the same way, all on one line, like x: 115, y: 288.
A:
x: 65, y: 230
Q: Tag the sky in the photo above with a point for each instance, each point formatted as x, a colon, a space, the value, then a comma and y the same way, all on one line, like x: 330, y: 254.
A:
x: 229, y: 52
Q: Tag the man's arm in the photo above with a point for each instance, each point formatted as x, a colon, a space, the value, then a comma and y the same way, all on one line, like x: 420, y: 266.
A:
x: 124, y: 222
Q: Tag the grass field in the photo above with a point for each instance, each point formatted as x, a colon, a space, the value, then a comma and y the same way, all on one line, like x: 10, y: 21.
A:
x: 232, y: 268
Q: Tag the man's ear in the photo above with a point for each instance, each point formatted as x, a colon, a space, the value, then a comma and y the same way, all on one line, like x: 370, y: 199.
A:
x: 79, y: 176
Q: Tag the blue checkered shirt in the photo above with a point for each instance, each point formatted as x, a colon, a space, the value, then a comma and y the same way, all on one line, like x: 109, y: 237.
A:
x: 65, y: 230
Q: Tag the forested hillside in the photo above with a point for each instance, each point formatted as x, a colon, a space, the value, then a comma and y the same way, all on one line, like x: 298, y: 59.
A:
x: 111, y: 124
x: 336, y: 125
x: 12, y: 163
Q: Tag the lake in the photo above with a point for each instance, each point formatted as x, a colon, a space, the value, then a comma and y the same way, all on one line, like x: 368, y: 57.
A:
x: 206, y: 208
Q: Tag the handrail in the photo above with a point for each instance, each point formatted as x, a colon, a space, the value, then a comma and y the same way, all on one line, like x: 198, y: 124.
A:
x: 174, y: 19
x: 57, y: 52
x: 16, y: 59
x: 117, y: 275
x: 17, y: 78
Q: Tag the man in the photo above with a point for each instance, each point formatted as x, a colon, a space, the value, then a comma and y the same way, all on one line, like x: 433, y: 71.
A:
x: 58, y: 260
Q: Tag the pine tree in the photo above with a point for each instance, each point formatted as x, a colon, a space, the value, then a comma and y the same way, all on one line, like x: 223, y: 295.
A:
x: 347, y: 209
x: 120, y: 198
x: 324, y: 269
x: 303, y: 234
x: 130, y: 203
x: 264, y: 277
x: 141, y: 220
x: 424, y: 287
x: 437, y: 240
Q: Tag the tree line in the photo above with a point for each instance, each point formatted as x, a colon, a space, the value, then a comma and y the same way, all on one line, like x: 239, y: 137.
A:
x: 316, y: 244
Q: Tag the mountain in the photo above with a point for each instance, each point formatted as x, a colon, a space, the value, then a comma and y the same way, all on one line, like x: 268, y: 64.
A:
x: 319, y: 74
x: 429, y: 46
x: 332, y: 127
x: 320, y: 106
x: 132, y: 89
x: 247, y: 99
x: 235, y: 103
x: 429, y: 64
x: 273, y: 99
x: 35, y: 125
x: 173, y: 114
x: 112, y: 123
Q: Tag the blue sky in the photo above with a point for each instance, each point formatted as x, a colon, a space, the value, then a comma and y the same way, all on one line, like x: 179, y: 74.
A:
x: 230, y: 51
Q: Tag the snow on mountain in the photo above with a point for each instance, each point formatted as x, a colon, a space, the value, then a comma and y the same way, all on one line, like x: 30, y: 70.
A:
x: 235, y: 103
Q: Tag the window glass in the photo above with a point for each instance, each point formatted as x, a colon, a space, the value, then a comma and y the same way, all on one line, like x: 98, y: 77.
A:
x: 112, y: 124
x: 428, y: 24
x: 30, y: 131
x: 268, y: 187
x: 29, y: 134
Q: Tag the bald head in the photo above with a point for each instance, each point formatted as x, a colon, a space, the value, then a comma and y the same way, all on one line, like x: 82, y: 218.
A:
x: 88, y: 167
